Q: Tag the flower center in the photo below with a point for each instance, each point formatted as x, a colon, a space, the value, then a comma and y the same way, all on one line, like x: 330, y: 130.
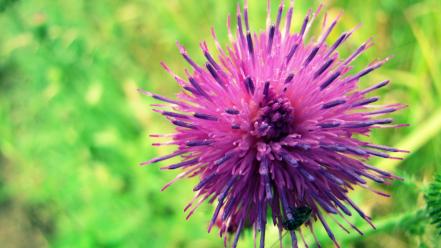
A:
x: 275, y: 121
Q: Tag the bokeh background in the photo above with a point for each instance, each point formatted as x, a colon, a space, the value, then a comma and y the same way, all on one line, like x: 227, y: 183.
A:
x: 74, y: 129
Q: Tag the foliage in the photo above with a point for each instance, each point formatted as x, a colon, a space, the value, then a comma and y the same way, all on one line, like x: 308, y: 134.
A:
x: 74, y: 128
x: 433, y: 199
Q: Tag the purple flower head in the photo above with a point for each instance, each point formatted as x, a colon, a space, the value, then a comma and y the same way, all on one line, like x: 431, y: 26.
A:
x: 271, y: 127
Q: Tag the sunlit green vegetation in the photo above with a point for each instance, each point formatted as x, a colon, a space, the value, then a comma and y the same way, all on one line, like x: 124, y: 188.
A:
x: 74, y: 129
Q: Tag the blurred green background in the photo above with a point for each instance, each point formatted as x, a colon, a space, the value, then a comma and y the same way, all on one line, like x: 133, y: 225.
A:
x: 74, y: 129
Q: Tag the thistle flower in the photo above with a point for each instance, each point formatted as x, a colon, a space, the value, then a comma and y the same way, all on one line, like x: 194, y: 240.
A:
x: 271, y: 127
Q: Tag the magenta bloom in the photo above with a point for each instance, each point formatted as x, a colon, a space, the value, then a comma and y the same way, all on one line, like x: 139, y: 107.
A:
x: 272, y: 126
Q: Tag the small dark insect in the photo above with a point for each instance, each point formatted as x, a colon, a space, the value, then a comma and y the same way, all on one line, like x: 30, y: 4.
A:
x: 296, y: 217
